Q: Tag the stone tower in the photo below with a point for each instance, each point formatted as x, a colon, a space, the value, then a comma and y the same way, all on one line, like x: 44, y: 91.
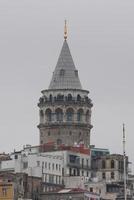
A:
x: 65, y: 108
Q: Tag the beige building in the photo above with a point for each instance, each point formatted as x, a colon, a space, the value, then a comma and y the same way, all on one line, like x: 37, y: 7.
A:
x: 108, y: 168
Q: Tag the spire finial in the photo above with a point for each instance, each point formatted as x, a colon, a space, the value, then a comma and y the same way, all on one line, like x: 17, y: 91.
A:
x: 65, y: 30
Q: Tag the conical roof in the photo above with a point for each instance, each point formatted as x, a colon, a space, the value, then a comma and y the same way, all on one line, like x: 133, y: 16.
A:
x: 65, y: 75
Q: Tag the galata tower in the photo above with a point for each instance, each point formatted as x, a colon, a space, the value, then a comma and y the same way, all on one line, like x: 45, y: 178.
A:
x: 65, y: 108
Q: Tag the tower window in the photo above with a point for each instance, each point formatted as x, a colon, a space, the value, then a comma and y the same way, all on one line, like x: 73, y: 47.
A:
x: 79, y: 115
x: 76, y: 73
x: 69, y: 114
x: 62, y: 72
x: 48, y: 115
x: 69, y: 97
x: 78, y: 97
x: 59, y: 115
x: 50, y: 97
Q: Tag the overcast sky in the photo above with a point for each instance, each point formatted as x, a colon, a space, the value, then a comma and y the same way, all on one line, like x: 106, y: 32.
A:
x: 101, y: 40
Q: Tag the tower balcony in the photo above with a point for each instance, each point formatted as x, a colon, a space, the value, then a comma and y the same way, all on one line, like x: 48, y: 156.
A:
x: 65, y: 101
x: 57, y: 124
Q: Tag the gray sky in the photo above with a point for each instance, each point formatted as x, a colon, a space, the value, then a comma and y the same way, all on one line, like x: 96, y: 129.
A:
x: 101, y: 39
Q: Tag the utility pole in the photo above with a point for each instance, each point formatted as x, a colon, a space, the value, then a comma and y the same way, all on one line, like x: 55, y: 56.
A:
x: 124, y: 156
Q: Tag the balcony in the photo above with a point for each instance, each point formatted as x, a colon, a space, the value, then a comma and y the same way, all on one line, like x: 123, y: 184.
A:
x: 78, y: 165
x: 64, y: 101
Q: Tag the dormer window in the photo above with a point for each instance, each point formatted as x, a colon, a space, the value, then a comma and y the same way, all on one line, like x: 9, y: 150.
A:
x: 62, y: 72
x: 76, y: 73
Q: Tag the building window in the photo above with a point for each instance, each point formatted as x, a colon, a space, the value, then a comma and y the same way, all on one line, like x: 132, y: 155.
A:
x: 16, y: 156
x: 59, y: 141
x: 38, y: 163
x: 112, y: 175
x: 103, y: 164
x: 25, y: 165
x: 59, y: 167
x: 112, y: 164
x: 49, y: 165
x: 49, y: 133
x: 4, y: 191
x: 82, y: 173
x: 53, y: 166
x: 56, y: 166
x: 82, y: 162
x: 46, y: 165
x: 87, y: 162
x: 41, y: 141
x: 74, y: 172
x: 103, y: 175
x: 91, y: 189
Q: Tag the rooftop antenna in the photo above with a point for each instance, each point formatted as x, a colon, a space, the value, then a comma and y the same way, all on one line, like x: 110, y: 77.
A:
x: 124, y: 158
x: 65, y: 30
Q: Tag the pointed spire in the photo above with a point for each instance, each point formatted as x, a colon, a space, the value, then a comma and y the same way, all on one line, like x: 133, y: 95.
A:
x: 65, y: 75
x: 65, y: 30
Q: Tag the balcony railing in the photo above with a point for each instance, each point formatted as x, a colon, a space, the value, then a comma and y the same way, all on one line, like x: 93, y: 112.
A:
x: 43, y: 101
x: 78, y: 165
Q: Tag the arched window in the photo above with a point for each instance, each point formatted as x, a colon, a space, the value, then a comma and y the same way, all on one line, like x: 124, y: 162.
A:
x: 58, y: 96
x: 69, y: 97
x: 59, y: 115
x: 87, y: 116
x: 112, y: 175
x: 48, y: 114
x: 103, y: 164
x: 50, y: 97
x: 69, y: 114
x: 112, y: 164
x: 79, y: 115
x: 78, y: 97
